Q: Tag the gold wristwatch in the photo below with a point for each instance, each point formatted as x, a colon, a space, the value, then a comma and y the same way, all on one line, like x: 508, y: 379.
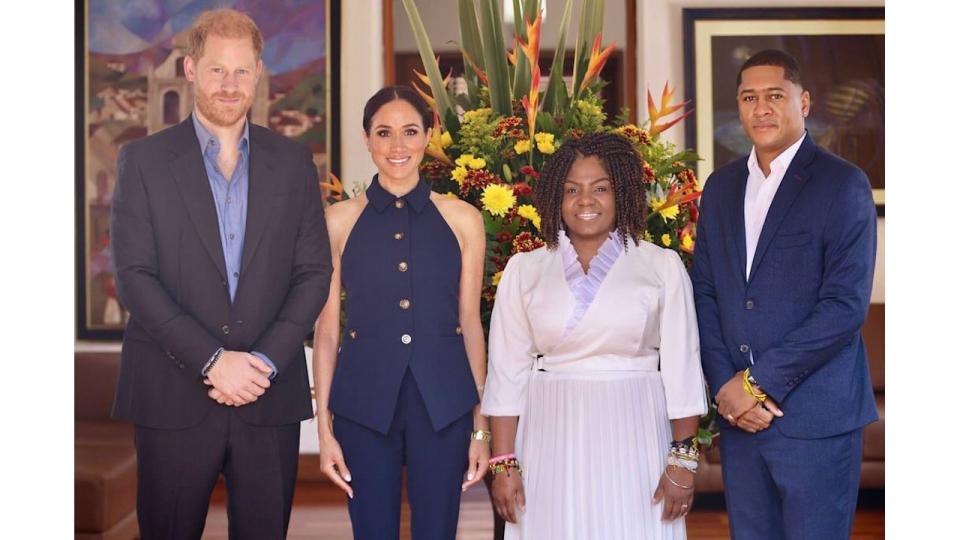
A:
x: 480, y: 435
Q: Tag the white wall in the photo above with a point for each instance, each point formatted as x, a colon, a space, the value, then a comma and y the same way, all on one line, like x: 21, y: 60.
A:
x: 361, y: 74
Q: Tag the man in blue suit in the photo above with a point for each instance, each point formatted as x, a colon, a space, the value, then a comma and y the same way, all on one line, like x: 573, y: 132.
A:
x: 782, y: 276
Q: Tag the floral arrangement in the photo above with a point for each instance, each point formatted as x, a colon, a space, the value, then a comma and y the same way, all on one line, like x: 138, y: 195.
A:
x: 489, y: 145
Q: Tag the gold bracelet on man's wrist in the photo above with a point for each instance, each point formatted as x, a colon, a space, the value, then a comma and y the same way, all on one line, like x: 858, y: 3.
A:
x: 748, y: 388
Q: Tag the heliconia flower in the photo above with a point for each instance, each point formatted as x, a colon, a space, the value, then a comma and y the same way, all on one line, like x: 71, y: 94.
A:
x: 498, y: 199
x: 476, y: 69
x: 665, y: 110
x: 436, y: 145
x: 663, y: 207
x: 426, y: 80
x: 532, y: 47
x: 532, y: 101
x: 597, y: 60
x: 445, y: 139
x: 512, y: 55
x: 334, y: 185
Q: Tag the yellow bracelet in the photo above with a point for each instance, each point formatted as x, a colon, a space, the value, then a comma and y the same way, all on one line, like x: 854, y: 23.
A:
x: 748, y: 388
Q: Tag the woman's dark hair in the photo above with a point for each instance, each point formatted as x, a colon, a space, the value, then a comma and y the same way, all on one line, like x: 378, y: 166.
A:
x: 393, y: 93
x: 619, y: 160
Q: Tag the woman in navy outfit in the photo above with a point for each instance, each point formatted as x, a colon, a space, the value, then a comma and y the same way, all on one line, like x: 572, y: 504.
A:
x: 403, y: 388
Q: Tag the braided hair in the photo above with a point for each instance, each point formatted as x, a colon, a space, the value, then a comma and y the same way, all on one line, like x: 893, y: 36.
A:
x: 619, y: 160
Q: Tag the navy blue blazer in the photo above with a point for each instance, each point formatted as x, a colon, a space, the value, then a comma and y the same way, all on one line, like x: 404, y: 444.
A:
x: 801, y: 311
x: 171, y: 276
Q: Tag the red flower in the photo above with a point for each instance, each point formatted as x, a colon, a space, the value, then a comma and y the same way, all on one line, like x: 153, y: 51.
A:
x: 522, y: 189
x: 504, y: 236
x: 510, y: 125
x: 478, y: 179
x: 687, y: 176
x: 649, y: 175
x: 525, y: 242
x: 529, y: 171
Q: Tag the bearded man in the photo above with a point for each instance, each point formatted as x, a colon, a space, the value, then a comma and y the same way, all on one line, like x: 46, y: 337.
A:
x: 223, y: 261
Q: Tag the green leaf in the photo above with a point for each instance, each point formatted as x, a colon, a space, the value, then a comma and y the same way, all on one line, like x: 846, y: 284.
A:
x: 429, y: 59
x: 546, y: 122
x: 495, y: 57
x: 555, y: 98
x: 470, y: 34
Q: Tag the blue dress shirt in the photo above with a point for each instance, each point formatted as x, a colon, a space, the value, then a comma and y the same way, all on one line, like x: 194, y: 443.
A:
x: 230, y: 198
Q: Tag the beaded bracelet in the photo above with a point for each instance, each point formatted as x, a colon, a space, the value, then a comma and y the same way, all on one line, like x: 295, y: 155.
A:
x: 501, y: 457
x: 683, y: 463
x: 504, y: 465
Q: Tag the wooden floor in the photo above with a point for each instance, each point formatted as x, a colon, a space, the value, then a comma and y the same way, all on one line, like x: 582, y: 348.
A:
x: 320, y: 513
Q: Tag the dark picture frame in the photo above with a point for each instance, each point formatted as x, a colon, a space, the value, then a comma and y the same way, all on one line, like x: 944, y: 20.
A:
x: 841, y: 54
x: 129, y: 84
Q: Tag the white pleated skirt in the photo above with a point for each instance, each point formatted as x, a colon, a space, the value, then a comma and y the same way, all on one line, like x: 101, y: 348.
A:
x: 593, y: 446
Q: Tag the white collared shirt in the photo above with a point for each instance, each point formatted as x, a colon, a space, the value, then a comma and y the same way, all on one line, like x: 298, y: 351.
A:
x: 760, y: 193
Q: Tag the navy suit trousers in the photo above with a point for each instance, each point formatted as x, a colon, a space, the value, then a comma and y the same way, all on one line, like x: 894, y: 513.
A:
x: 435, y: 462
x: 781, y: 488
x: 178, y: 468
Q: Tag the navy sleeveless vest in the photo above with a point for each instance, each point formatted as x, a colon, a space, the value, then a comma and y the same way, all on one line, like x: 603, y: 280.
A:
x: 400, y: 269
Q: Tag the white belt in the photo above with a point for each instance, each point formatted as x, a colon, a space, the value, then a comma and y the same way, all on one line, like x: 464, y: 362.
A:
x: 606, y: 362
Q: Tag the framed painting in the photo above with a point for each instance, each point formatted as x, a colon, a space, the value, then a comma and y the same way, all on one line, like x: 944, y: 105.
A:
x: 130, y: 83
x: 841, y: 56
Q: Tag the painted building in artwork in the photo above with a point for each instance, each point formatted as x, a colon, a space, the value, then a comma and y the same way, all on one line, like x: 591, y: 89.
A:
x: 170, y: 95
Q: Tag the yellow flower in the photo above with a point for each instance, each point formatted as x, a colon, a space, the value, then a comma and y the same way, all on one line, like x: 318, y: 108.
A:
x: 451, y: 195
x: 647, y: 236
x: 464, y: 160
x: 477, y: 163
x: 667, y: 213
x: 481, y: 114
x: 522, y: 146
x: 665, y: 240
x: 459, y: 174
x: 686, y: 242
x: 495, y: 279
x: 445, y: 139
x: 498, y: 199
x: 527, y: 211
x: 545, y: 143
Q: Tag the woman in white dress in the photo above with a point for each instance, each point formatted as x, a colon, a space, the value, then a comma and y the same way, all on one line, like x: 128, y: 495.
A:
x: 594, y: 363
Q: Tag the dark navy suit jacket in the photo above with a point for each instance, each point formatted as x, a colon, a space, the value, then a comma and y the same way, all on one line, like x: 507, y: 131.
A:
x: 171, y: 276
x: 801, y: 311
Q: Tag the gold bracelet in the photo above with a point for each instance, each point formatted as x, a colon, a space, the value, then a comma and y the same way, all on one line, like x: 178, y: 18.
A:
x: 480, y: 435
x: 748, y: 387
x: 674, y: 482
